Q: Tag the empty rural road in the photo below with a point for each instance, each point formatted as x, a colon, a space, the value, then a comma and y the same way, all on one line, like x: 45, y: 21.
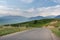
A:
x: 34, y: 34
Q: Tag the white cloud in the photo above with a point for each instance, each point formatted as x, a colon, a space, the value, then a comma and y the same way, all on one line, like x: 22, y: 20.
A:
x: 54, y: 10
x: 27, y: 1
x: 3, y: 7
x: 30, y: 10
x: 3, y: 2
x: 4, y: 10
x: 44, y: 11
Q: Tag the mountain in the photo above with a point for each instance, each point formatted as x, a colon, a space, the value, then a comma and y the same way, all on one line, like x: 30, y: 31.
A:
x: 37, y: 18
x: 12, y: 19
x: 57, y: 16
x: 52, y: 16
x: 19, y: 19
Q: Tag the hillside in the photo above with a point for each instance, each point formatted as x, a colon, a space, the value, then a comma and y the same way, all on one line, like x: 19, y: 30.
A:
x: 12, y: 19
x: 53, y: 24
x: 37, y: 18
x: 35, y: 23
x: 19, y: 19
x: 57, y: 16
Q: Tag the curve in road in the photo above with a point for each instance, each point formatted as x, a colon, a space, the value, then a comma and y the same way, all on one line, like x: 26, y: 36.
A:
x: 34, y: 34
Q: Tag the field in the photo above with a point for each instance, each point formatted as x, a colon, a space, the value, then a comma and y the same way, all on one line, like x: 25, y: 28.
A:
x: 8, y: 30
x: 56, y: 31
x: 12, y: 28
x: 35, y: 23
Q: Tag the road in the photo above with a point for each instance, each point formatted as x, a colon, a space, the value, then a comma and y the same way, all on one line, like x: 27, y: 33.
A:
x: 34, y: 34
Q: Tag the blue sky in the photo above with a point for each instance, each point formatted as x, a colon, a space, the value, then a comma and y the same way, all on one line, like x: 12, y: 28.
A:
x: 29, y: 8
x: 31, y: 3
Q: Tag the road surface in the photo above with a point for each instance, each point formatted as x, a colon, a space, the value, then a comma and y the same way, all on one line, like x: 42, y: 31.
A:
x: 34, y: 34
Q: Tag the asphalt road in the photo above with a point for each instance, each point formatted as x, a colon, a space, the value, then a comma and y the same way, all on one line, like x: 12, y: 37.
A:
x: 34, y: 34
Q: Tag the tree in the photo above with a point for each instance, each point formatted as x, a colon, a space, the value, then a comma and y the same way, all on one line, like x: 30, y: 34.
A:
x: 35, y: 22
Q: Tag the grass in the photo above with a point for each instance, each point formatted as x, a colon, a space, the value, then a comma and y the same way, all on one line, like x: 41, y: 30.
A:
x: 26, y: 25
x: 23, y: 26
x: 9, y: 30
x: 56, y: 31
x: 34, y: 23
x: 58, y: 24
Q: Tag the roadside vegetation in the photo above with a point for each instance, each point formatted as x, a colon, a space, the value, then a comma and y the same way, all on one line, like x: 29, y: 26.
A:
x: 54, y: 25
x: 56, y: 30
x: 9, y: 30
x: 12, y: 28
x: 34, y: 23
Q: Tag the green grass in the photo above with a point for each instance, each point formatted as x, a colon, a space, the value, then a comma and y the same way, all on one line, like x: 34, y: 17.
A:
x: 9, y: 30
x: 24, y: 26
x: 58, y: 24
x: 34, y: 23
x: 56, y: 31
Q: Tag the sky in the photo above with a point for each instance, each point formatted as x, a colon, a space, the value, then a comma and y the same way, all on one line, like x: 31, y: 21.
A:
x: 29, y: 8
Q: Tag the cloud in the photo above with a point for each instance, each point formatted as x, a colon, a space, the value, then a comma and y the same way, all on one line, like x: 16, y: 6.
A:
x: 27, y: 1
x: 44, y: 11
x: 32, y: 12
x: 3, y: 7
x: 54, y: 10
x: 5, y: 11
x: 2, y: 2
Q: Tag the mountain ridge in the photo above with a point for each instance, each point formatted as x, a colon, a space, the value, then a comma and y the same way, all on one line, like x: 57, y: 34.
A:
x: 57, y: 16
x: 19, y: 19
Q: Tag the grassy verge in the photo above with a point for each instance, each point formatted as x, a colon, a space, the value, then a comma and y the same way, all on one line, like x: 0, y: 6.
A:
x: 23, y: 26
x: 56, y: 31
x: 9, y: 30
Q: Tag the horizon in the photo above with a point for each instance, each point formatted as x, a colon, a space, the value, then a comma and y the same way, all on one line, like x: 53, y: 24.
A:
x: 29, y: 19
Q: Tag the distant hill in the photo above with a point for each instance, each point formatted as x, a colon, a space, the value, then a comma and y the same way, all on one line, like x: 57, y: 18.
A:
x: 20, y: 19
x: 17, y: 19
x: 12, y: 19
x: 52, y: 16
x: 34, y: 23
x: 37, y: 18
x: 57, y: 16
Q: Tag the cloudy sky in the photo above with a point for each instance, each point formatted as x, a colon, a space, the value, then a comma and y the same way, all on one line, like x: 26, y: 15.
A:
x: 29, y: 8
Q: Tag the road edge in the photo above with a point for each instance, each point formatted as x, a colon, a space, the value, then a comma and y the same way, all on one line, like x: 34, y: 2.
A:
x: 15, y: 33
x: 54, y: 37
